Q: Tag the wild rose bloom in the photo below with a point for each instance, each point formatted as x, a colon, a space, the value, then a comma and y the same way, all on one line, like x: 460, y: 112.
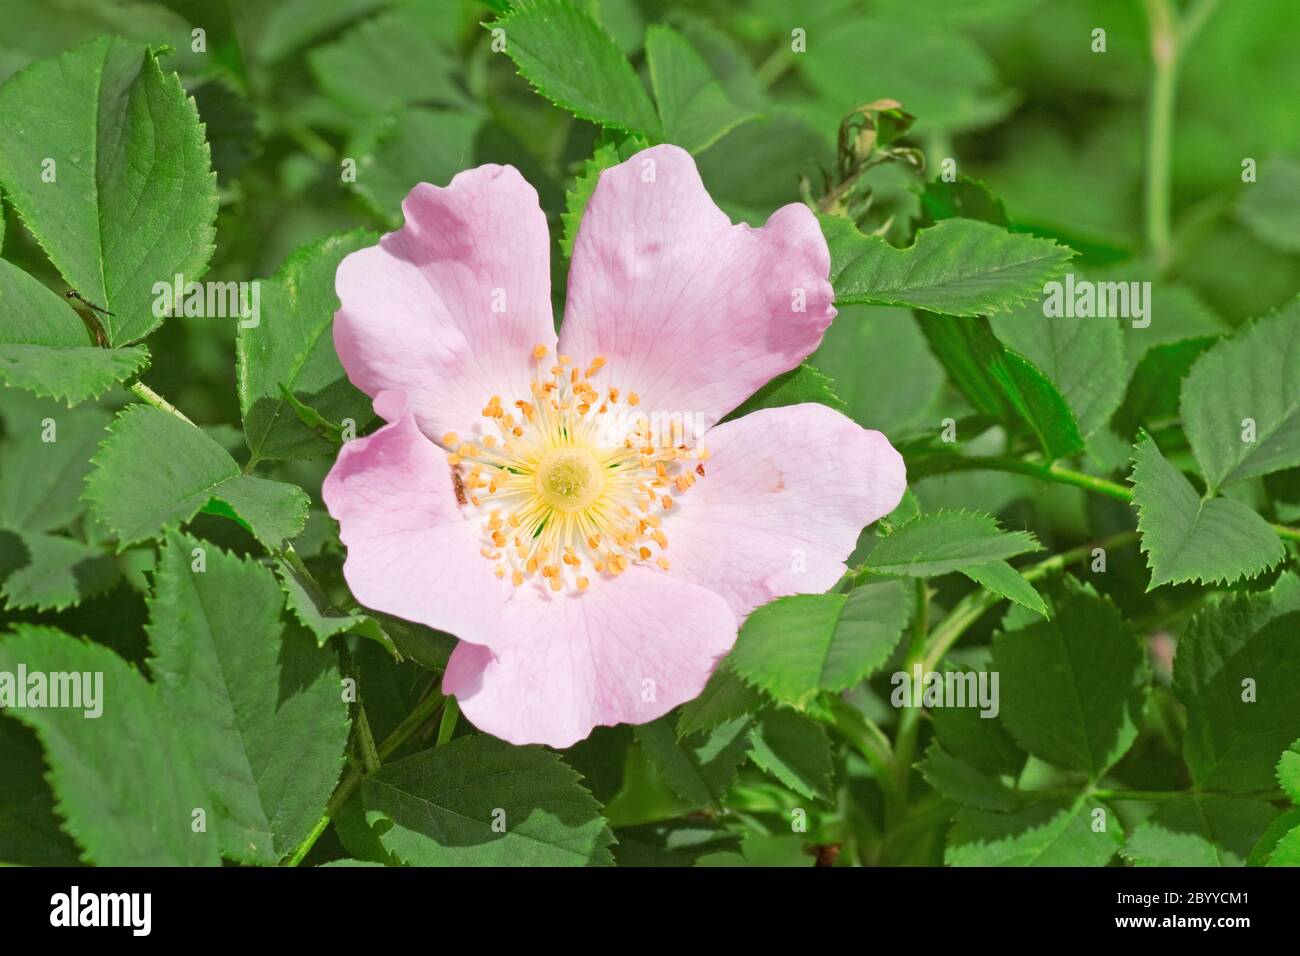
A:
x: 570, y: 509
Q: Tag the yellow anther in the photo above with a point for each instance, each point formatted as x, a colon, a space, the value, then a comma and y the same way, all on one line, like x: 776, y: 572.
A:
x: 450, y: 439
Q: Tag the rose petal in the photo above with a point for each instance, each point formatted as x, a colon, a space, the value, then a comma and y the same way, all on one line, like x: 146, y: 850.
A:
x: 411, y: 551
x: 627, y: 650
x: 785, y: 494
x: 692, y: 313
x: 421, y: 311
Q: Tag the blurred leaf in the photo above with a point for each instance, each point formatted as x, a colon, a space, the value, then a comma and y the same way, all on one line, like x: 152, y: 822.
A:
x: 902, y: 379
x: 1271, y: 205
x: 798, y: 646
x: 480, y: 801
x: 259, y: 708
x: 1153, y: 390
x: 155, y: 471
x: 943, y: 79
x: 1189, y: 538
x: 694, y: 108
x: 136, y: 196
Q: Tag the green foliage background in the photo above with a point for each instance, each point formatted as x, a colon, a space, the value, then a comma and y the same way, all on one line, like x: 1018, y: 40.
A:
x: 1085, y: 517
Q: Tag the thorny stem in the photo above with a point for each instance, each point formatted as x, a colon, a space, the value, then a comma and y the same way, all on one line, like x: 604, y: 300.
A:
x: 150, y: 397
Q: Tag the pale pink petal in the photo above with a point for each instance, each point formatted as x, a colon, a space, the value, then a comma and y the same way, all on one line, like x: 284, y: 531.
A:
x: 692, y: 313
x: 785, y: 494
x: 627, y: 650
x: 411, y: 551
x: 422, y: 311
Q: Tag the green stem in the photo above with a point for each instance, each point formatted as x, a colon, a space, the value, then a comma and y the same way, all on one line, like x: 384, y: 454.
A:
x: 416, y: 719
x: 369, y: 753
x: 1056, y: 473
x: 150, y: 397
x: 909, y: 721
x: 447, y: 726
x: 972, y: 607
x: 1160, y: 118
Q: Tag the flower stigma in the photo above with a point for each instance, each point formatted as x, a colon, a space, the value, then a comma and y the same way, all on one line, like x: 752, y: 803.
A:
x: 573, y: 483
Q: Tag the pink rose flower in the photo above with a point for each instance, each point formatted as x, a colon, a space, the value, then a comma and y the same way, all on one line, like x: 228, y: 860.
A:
x: 571, y: 510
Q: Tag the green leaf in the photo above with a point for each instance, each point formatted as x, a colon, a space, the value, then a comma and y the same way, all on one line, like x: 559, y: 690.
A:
x: 794, y: 749
x: 695, y: 109
x: 724, y: 697
x: 1287, y: 851
x: 962, y: 198
x: 1271, y: 205
x: 672, y: 843
x: 939, y: 542
x: 575, y: 199
x: 1282, y: 825
x: 292, y: 347
x: 1003, y: 383
x: 479, y: 801
x: 891, y: 402
x: 956, y: 267
x: 1004, y: 580
x: 134, y: 196
x: 29, y: 828
x: 46, y: 451
x: 1254, y: 375
x: 1049, y: 833
x: 1238, y: 674
x: 312, y: 608
x: 1199, y: 830
x: 980, y: 742
x: 1073, y: 689
x: 959, y: 781
x: 1153, y: 390
x: 798, y: 646
x: 123, y: 782
x: 700, y: 768
x: 1083, y: 357
x: 571, y: 61
x: 259, y: 707
x: 1288, y: 772
x: 155, y: 471
x: 1189, y: 538
x: 45, y: 348
x: 417, y: 145
x: 801, y: 384
x: 51, y: 572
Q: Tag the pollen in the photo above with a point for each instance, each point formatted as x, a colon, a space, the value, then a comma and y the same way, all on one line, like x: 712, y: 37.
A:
x: 564, y: 479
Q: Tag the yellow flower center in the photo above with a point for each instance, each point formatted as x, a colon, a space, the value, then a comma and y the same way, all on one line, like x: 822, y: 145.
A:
x: 572, y: 483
